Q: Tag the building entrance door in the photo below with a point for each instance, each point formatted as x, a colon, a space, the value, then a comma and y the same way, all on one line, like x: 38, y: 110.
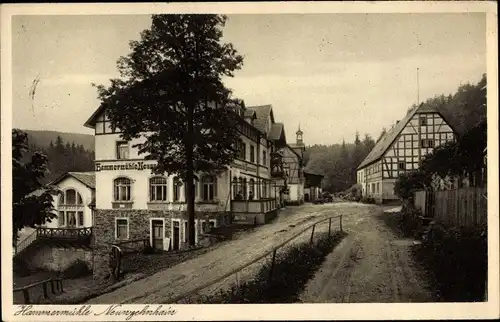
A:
x: 157, y: 234
x: 176, y: 236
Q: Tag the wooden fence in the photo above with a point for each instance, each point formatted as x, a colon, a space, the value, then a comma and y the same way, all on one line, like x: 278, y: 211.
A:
x: 459, y: 207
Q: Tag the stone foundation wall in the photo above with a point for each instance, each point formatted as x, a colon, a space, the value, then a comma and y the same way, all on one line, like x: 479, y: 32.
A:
x: 55, y: 258
x: 138, y: 228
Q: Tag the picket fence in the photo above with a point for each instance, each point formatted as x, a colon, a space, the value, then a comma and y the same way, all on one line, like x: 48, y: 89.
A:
x: 459, y: 207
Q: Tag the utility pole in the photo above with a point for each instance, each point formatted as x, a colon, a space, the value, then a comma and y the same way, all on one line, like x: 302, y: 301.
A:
x: 418, y: 88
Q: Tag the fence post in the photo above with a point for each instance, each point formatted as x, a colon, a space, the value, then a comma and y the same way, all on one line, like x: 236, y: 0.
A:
x: 341, y: 223
x: 329, y: 226
x: 52, y: 286
x: 272, y: 265
x: 45, y: 293
x: 312, y: 233
x: 26, y: 295
x: 61, y: 286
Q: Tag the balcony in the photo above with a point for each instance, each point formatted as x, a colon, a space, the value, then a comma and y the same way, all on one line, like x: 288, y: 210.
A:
x: 277, y: 170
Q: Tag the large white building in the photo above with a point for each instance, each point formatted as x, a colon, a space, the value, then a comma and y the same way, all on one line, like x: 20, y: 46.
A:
x: 401, y: 150
x: 133, y: 203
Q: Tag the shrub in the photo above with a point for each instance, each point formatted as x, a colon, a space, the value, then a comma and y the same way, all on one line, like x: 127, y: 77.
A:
x: 411, y: 221
x: 369, y: 200
x: 457, y: 257
x: 78, y: 269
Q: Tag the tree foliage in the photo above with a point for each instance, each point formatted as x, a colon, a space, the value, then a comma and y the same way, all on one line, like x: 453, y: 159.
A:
x: 30, y: 205
x: 178, y: 62
x: 338, y: 162
x: 171, y: 93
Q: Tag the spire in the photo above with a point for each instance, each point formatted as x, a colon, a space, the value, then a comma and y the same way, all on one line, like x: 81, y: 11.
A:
x: 299, y: 136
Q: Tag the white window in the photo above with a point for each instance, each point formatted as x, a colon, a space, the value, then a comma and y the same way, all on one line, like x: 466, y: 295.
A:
x: 71, y: 218
x: 122, y: 150
x: 209, y: 183
x: 158, y: 189
x: 62, y: 219
x: 177, y: 189
x: 122, y: 189
x: 70, y: 197
x: 80, y: 219
x: 121, y: 228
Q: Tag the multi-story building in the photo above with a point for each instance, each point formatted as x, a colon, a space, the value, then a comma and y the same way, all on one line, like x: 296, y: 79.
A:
x: 401, y: 149
x: 133, y: 203
x: 293, y: 162
x: 60, y: 242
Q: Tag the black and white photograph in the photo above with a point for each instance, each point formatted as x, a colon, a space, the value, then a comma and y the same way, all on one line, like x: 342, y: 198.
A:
x: 224, y: 155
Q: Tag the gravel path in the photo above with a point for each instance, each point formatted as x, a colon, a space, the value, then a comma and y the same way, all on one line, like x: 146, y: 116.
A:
x: 371, y: 265
x: 171, y: 282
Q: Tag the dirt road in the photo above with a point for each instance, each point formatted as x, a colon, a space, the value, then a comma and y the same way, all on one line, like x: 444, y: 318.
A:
x: 370, y: 265
x: 162, y: 286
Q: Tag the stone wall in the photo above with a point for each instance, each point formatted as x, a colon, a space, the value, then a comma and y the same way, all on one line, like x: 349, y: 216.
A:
x: 56, y: 258
x: 138, y: 228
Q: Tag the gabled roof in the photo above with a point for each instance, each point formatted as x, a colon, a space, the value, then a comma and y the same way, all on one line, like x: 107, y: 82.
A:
x: 277, y: 132
x: 386, y: 141
x: 87, y: 178
x: 92, y: 119
x: 262, y: 112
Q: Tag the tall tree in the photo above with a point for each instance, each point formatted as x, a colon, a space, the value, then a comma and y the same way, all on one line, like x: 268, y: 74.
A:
x: 59, y: 144
x: 28, y: 208
x: 368, y: 143
x: 175, y: 73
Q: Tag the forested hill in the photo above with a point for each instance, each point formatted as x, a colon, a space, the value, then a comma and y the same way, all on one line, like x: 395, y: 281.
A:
x: 338, y: 162
x: 42, y: 139
x: 63, y: 156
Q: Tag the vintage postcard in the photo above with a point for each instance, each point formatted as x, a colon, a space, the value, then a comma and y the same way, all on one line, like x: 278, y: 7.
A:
x: 278, y: 161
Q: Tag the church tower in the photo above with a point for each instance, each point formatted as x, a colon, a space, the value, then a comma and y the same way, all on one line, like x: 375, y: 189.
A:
x: 299, y: 140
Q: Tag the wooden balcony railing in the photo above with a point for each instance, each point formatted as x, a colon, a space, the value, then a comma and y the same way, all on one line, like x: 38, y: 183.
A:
x: 64, y: 233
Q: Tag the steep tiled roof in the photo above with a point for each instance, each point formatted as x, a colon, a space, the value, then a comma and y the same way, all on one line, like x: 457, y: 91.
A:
x: 276, y: 131
x: 249, y: 113
x: 87, y: 178
x: 386, y: 141
x: 262, y: 112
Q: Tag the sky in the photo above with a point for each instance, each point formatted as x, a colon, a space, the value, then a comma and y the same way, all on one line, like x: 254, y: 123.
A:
x: 334, y: 74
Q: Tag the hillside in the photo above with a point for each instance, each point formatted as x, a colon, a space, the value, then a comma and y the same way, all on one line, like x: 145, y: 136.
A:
x: 42, y: 138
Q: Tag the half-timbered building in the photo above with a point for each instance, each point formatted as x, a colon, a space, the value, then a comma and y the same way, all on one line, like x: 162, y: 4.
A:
x: 401, y: 149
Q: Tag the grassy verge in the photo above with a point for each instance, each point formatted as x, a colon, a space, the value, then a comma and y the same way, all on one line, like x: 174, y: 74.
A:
x: 292, y: 269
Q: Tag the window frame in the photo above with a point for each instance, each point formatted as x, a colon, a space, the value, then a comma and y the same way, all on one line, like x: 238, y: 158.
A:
x: 252, y: 153
x: 423, y: 120
x: 122, y: 143
x: 126, y: 219
x: 116, y: 192
x: 208, y: 189
x: 154, y: 186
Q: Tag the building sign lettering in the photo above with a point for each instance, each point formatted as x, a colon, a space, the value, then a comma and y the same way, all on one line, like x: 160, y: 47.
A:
x: 125, y: 166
